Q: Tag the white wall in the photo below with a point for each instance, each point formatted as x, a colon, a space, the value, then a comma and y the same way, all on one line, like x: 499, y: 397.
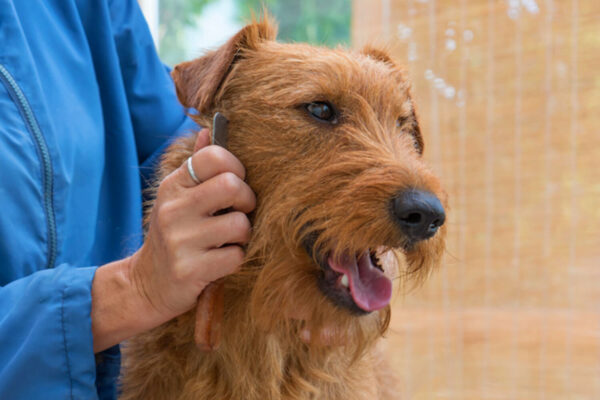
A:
x: 150, y: 9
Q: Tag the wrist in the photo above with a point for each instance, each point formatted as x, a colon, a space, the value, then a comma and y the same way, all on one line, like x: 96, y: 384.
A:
x: 119, y: 308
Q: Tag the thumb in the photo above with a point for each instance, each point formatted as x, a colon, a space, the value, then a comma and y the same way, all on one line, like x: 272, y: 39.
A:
x: 202, y: 139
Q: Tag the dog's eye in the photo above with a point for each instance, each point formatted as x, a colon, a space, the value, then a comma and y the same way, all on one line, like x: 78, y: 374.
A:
x: 322, y: 111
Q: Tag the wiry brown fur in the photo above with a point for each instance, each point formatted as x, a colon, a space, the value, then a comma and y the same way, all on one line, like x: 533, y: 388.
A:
x: 310, y: 177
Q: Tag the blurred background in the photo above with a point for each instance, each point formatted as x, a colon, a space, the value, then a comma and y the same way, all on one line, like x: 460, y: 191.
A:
x: 509, y: 100
x: 184, y: 29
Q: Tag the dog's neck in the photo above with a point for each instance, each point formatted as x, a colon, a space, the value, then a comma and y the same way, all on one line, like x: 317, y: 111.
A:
x: 269, y: 364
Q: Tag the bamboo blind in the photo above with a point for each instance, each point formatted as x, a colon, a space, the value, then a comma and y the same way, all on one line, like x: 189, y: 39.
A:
x: 509, y: 101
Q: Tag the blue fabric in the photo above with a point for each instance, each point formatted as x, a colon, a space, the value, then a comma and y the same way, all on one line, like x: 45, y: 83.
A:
x: 85, y: 76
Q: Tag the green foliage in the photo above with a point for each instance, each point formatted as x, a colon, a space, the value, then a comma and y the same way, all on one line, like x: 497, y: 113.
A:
x: 313, y: 21
x: 175, y: 17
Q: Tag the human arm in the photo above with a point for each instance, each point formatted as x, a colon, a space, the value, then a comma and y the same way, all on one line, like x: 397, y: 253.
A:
x: 48, y: 333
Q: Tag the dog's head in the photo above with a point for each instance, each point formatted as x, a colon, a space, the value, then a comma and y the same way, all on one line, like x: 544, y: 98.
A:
x: 332, y: 147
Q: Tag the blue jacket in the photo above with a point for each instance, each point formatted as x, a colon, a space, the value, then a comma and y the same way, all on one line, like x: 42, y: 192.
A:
x: 84, y: 101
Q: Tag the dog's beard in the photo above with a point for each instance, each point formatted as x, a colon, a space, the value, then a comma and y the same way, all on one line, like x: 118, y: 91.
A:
x: 286, y: 298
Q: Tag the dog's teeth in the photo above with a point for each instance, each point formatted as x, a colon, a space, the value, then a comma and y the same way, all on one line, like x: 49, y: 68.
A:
x: 344, y: 280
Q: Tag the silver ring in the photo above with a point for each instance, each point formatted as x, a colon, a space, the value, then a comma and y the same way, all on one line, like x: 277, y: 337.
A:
x: 190, y: 168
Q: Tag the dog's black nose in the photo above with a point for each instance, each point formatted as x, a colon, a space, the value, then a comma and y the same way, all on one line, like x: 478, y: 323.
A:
x: 418, y: 213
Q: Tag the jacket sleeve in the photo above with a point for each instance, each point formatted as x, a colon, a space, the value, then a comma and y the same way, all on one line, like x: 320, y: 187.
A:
x: 155, y: 112
x: 46, y: 346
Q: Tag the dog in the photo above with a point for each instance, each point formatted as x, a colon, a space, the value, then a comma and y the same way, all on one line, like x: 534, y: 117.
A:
x: 333, y: 150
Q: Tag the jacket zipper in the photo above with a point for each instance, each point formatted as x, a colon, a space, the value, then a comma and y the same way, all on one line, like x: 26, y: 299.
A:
x: 47, y: 176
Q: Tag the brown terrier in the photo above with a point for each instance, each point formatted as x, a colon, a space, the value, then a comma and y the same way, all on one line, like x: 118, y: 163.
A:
x: 332, y: 149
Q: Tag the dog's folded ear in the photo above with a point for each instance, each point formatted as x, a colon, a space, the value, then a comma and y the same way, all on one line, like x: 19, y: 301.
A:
x: 197, y: 82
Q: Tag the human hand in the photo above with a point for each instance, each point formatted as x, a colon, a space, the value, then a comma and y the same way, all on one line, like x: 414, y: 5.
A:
x: 184, y: 248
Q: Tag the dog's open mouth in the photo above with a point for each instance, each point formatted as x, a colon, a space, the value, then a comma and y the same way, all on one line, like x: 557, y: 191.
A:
x: 355, y: 281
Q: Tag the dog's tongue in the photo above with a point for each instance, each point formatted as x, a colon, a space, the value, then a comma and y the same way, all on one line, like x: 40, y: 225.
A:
x: 369, y: 287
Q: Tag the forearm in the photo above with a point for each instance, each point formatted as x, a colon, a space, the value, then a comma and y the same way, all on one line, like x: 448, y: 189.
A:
x: 119, y: 311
